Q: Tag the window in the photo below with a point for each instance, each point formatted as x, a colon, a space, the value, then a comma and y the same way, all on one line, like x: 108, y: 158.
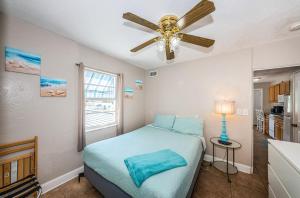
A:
x: 100, y: 99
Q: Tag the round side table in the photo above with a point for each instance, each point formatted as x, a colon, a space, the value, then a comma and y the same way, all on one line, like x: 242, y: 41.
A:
x: 224, y: 166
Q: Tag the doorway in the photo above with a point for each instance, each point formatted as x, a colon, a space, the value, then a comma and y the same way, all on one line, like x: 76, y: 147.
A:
x: 276, y: 99
x: 276, y: 94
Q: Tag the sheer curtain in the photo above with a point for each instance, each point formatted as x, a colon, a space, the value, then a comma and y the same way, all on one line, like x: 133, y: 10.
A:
x: 120, y: 118
x: 81, y: 108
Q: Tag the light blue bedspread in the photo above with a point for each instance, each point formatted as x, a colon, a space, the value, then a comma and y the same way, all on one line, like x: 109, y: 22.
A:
x: 107, y: 158
x: 141, y: 167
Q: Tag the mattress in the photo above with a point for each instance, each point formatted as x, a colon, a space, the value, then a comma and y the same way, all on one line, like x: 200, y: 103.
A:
x: 107, y: 159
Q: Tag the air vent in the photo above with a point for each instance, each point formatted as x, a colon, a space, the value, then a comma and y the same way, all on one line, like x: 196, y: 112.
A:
x: 295, y: 26
x: 153, y: 74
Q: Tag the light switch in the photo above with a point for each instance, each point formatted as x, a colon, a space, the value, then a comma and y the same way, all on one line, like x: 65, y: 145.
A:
x: 245, y: 112
x: 239, y: 111
x: 242, y: 112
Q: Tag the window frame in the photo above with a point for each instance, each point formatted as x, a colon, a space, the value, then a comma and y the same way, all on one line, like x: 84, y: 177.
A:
x: 99, y: 127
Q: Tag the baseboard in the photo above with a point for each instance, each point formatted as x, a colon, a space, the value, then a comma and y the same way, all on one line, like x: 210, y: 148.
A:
x: 50, y: 185
x: 241, y: 167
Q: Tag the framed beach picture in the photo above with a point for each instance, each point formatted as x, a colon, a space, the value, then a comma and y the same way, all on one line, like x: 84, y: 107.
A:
x: 23, y: 62
x: 51, y: 87
x: 128, y: 92
x: 139, y: 84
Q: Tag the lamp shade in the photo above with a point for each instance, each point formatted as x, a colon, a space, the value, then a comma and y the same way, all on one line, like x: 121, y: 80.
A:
x: 225, y: 107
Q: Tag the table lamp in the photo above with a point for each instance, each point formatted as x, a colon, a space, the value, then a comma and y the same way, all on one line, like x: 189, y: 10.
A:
x: 225, y: 108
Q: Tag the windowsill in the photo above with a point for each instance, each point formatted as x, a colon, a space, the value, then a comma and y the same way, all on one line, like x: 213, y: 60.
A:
x: 100, y: 128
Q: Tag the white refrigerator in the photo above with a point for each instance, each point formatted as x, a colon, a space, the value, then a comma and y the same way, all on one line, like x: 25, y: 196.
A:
x: 286, y: 102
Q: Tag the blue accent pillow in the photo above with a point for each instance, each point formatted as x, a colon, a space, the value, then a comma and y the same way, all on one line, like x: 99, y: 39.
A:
x: 164, y: 121
x: 188, y: 125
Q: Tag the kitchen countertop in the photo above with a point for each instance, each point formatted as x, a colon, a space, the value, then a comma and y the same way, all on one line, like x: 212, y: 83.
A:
x: 289, y: 150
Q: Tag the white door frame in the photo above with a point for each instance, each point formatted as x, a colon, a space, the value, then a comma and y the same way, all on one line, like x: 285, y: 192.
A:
x: 294, y: 131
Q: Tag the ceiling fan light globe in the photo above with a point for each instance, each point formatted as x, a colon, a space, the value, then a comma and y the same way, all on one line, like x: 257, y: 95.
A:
x: 161, y: 45
x: 175, y: 41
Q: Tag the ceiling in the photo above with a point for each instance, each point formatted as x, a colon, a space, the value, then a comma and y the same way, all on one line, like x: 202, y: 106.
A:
x: 98, y: 24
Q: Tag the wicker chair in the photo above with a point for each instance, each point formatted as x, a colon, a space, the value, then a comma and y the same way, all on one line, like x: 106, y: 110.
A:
x: 260, y: 120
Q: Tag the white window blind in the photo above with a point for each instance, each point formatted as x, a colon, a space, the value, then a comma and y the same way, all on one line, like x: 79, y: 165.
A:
x: 100, y: 99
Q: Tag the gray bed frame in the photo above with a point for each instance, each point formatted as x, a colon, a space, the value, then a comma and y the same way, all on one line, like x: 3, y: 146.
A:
x: 110, y: 190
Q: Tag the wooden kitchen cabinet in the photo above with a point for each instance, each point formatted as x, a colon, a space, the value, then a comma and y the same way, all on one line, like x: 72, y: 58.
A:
x: 271, y: 93
x: 276, y: 92
x: 266, y: 123
x: 287, y: 87
x: 278, y: 128
x: 282, y: 86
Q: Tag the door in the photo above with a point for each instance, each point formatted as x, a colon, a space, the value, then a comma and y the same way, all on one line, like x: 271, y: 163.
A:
x: 287, y: 87
x: 271, y: 94
x: 296, y: 107
x: 277, y: 92
x: 258, y: 103
x: 282, y: 88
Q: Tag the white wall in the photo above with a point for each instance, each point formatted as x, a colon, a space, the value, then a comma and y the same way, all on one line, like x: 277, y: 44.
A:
x: 277, y: 54
x: 24, y: 114
x: 283, y: 77
x: 191, y: 89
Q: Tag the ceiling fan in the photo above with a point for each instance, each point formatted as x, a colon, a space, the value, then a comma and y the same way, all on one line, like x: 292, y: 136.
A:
x: 170, y: 27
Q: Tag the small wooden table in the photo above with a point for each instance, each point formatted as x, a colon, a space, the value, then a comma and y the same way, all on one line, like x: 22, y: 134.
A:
x: 224, y: 166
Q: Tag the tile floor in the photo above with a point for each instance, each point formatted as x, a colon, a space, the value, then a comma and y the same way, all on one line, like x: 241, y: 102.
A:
x: 211, y: 183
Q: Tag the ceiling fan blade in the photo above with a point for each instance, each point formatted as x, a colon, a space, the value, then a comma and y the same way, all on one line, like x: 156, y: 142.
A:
x: 196, y: 40
x: 199, y: 11
x: 195, y: 7
x: 170, y: 54
x: 145, y: 44
x: 136, y: 19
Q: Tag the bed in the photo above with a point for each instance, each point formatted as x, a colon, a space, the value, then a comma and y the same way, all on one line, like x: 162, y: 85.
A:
x: 105, y: 169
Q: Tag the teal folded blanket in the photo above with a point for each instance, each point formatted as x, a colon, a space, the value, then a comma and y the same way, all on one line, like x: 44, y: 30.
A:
x: 141, y: 167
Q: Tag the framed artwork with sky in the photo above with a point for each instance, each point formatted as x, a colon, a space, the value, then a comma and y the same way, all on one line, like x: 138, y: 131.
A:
x: 19, y: 61
x: 52, y: 87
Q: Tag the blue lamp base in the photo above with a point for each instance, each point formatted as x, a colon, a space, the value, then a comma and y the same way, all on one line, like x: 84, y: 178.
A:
x: 224, y: 137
